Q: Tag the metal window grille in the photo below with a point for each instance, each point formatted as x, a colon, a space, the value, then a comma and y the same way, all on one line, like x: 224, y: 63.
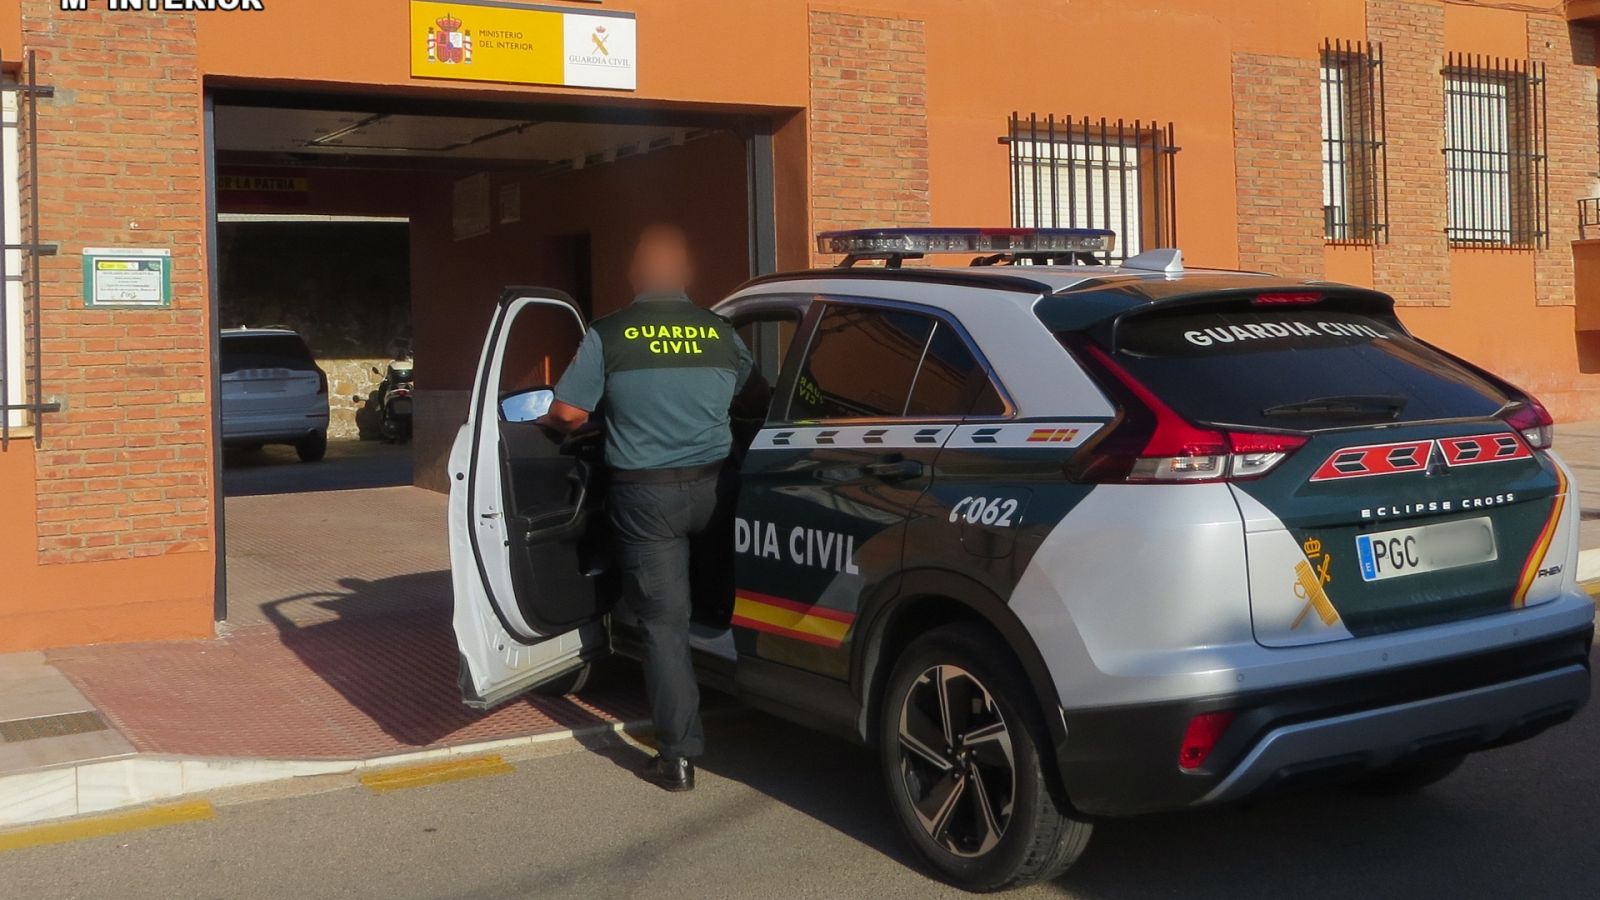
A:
x: 20, y: 367
x: 1496, y: 129
x: 1355, y: 159
x: 1077, y: 173
x: 1588, y: 216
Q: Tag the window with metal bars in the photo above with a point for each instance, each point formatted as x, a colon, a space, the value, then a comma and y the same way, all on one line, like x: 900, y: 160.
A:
x: 20, y: 365
x: 1078, y: 173
x: 1495, y: 136
x: 1355, y: 162
x: 12, y: 348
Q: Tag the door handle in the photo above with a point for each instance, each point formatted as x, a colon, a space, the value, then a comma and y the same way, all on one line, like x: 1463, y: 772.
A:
x: 893, y: 469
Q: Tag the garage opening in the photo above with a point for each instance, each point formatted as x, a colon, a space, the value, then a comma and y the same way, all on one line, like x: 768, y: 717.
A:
x: 360, y: 245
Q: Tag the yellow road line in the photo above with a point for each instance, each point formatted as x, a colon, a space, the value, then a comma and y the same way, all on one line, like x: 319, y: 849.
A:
x: 435, y: 773
x: 114, y: 823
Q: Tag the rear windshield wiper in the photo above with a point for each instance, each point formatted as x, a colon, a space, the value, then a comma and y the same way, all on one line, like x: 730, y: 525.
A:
x: 1357, y: 406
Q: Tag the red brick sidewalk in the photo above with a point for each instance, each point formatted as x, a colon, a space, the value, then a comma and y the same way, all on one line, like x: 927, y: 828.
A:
x: 339, y: 689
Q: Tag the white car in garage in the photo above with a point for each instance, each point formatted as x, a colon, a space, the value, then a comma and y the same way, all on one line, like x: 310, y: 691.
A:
x: 273, y: 392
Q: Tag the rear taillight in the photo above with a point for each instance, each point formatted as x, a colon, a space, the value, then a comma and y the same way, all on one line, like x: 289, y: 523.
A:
x: 1533, y: 422
x: 1151, y: 444
x: 1294, y: 299
x: 1201, y: 737
x: 322, y: 381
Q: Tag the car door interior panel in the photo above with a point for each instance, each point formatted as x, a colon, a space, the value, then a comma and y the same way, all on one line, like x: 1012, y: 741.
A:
x: 555, y: 524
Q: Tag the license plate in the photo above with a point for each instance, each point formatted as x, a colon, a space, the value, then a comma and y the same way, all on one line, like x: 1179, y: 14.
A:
x: 1426, y: 548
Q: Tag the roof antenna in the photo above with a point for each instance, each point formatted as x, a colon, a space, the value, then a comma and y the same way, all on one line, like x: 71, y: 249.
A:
x: 1168, y: 260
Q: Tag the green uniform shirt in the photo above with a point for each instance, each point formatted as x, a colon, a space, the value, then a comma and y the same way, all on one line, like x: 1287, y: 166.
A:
x: 667, y: 371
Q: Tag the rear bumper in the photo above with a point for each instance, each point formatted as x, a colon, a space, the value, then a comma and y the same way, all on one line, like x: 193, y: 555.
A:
x: 1379, y: 738
x: 269, y: 428
x: 1124, y: 761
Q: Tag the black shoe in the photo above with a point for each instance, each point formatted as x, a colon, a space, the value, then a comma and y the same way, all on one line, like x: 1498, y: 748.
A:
x: 670, y: 773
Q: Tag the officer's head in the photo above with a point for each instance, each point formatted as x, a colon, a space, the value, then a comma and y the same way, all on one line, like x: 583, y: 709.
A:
x: 661, y: 261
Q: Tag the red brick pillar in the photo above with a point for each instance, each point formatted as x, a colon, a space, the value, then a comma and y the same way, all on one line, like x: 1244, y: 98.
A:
x: 1568, y: 52
x: 1277, y: 133
x: 869, y: 121
x: 1414, y: 266
x: 126, y: 467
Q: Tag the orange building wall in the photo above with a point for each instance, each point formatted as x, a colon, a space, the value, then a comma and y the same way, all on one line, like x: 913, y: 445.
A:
x: 10, y: 30
x: 693, y: 52
x: 981, y: 66
x: 151, y: 598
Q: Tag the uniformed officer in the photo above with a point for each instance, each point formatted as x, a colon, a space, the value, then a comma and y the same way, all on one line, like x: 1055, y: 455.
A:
x: 667, y: 371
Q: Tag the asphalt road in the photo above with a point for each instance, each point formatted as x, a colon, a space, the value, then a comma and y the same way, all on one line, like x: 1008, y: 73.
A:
x: 781, y: 812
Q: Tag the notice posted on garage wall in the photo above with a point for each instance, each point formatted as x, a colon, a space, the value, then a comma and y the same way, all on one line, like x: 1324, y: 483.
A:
x: 121, y: 277
x: 490, y: 40
x: 470, y: 214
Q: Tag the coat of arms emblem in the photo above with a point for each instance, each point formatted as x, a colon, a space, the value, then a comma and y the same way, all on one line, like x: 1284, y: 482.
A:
x: 448, y: 44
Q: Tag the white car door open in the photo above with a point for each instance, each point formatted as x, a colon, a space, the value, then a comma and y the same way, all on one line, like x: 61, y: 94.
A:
x: 522, y: 552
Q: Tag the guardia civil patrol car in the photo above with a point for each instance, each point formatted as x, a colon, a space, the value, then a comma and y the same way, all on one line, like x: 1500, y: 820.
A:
x: 1067, y: 541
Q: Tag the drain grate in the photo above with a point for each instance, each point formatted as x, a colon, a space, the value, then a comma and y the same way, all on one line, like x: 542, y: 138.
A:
x: 50, y: 726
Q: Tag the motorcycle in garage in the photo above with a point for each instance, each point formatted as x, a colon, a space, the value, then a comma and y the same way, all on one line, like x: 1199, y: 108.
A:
x: 394, y: 397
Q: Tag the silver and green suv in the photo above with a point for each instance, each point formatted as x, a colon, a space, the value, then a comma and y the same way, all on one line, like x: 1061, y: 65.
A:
x: 1068, y: 541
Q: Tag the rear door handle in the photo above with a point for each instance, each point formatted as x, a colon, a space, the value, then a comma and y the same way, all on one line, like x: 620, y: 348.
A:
x: 893, y: 469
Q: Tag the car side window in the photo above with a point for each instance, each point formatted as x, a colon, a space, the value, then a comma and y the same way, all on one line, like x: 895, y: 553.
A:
x: 952, y: 382
x: 861, y: 364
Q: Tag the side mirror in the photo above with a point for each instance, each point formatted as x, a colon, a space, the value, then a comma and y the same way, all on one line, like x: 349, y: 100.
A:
x: 376, y: 371
x: 528, y: 405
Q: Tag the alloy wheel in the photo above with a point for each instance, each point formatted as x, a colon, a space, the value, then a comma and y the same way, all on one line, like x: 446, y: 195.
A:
x: 957, y: 764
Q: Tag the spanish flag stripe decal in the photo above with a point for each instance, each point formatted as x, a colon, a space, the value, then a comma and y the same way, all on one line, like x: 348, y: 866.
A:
x: 1530, y: 569
x: 787, y: 618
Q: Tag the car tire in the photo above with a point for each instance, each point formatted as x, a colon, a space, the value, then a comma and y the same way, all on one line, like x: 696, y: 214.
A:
x: 1409, y: 779
x: 570, y: 683
x: 978, y: 825
x: 313, y: 447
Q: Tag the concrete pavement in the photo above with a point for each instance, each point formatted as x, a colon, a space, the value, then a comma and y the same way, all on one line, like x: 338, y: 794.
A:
x: 349, y: 465
x: 782, y: 812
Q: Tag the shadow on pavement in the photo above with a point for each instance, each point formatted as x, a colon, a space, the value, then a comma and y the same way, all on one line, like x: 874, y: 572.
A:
x: 349, y: 465
x: 399, y: 668
x: 831, y: 780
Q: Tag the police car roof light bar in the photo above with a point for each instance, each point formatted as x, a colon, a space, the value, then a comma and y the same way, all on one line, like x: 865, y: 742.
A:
x: 895, y: 245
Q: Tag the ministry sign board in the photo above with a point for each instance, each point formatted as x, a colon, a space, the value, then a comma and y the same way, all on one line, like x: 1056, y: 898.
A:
x: 490, y: 40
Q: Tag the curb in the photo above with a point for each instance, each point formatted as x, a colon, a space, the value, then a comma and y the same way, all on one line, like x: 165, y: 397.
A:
x: 105, y: 785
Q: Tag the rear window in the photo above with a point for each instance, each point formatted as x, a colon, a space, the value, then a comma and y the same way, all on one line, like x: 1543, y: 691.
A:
x: 861, y: 364
x: 1297, y: 369
x: 265, y: 351
x: 951, y: 382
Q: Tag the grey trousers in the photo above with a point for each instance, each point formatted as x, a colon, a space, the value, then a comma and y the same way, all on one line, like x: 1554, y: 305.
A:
x: 656, y: 526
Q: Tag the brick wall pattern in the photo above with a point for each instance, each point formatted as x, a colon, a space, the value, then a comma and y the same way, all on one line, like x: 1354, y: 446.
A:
x: 869, y: 123
x: 1414, y: 266
x: 125, y: 468
x: 1568, y: 53
x: 1277, y: 125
